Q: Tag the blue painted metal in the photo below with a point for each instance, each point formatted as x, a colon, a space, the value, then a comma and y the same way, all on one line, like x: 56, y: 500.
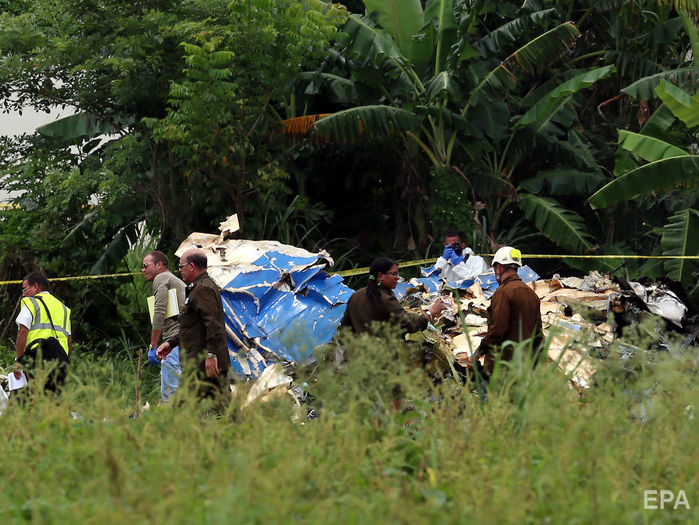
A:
x: 281, y: 309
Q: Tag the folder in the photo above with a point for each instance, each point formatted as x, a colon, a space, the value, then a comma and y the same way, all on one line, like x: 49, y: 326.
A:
x: 172, y: 309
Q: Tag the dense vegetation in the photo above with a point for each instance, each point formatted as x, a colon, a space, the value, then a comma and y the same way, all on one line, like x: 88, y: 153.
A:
x: 533, y: 452
x: 565, y: 127
x: 559, y: 126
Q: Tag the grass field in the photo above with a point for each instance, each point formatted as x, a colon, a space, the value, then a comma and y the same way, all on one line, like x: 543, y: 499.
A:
x: 534, y: 452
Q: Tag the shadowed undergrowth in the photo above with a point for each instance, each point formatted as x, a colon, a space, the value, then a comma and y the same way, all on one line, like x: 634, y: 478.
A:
x: 389, y: 446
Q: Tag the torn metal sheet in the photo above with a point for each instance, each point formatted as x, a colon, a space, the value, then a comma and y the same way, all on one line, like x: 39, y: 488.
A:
x: 661, y: 301
x: 278, y: 300
x: 273, y: 379
x: 489, y: 283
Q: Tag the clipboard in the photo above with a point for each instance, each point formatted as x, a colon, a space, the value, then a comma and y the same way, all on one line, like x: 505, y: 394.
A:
x: 172, y: 309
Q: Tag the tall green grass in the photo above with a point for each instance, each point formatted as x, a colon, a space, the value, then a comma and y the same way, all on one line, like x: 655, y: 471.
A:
x: 388, y: 446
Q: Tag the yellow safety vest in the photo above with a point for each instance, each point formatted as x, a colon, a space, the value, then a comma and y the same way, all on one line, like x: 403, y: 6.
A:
x: 41, y: 325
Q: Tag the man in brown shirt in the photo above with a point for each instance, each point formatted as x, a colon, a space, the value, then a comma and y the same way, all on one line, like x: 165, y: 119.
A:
x: 513, y: 314
x: 202, y: 336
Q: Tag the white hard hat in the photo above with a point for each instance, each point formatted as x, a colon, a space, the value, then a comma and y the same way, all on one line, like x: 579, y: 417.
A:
x: 508, y: 255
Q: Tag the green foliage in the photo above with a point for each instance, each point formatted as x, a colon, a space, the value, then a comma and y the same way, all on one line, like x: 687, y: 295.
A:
x: 684, y: 106
x: 387, y: 447
x: 564, y: 227
x: 450, y: 204
x: 665, y: 174
x: 681, y: 237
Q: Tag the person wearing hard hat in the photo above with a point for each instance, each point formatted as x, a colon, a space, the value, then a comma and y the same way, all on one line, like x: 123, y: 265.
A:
x: 514, y: 313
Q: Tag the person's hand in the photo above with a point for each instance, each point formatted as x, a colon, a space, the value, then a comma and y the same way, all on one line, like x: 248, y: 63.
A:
x: 17, y: 371
x: 211, y: 366
x: 448, y: 252
x: 437, y: 307
x: 455, y: 259
x: 152, y: 357
x: 163, y: 350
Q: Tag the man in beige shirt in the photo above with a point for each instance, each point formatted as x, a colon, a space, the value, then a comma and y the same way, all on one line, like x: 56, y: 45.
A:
x: 155, y: 269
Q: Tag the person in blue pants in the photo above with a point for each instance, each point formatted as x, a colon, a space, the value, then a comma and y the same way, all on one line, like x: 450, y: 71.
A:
x: 168, y: 300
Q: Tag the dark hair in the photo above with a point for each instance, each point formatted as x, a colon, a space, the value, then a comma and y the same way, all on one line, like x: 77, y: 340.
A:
x: 380, y: 265
x: 37, y: 278
x: 198, y: 260
x: 453, y: 232
x: 159, y: 256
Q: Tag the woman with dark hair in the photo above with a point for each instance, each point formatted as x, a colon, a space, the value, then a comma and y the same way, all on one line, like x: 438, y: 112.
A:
x: 377, y: 302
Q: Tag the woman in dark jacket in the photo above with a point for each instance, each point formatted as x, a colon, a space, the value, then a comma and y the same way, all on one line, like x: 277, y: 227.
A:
x: 377, y: 302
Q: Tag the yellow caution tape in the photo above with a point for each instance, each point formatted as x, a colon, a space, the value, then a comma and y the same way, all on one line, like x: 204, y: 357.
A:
x: 80, y: 277
x: 362, y: 271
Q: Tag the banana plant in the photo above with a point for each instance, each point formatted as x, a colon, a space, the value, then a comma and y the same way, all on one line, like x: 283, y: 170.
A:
x: 423, y: 45
x: 657, y: 166
x: 457, y: 100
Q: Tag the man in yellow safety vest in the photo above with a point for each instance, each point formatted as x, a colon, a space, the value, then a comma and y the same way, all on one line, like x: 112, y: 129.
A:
x: 43, y: 328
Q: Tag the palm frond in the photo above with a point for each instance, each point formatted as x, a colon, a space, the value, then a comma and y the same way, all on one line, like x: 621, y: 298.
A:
x: 665, y: 174
x: 82, y: 124
x: 509, y: 32
x: 683, y: 105
x: 555, y: 101
x: 564, y: 181
x: 118, y: 248
x: 562, y: 226
x: 632, y: 65
x: 544, y: 49
x: 648, y: 148
x: 535, y: 54
x: 366, y: 122
x: 644, y: 88
x: 681, y: 237
x: 300, y: 126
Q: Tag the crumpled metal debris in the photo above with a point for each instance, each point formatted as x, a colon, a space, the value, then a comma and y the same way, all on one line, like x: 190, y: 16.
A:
x: 272, y: 382
x: 572, y: 337
x: 278, y: 300
x: 661, y: 301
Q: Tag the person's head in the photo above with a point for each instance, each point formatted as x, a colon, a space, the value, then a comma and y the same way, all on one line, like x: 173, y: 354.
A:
x: 154, y: 262
x: 34, y: 283
x: 383, y: 272
x: 506, y: 261
x: 454, y: 237
x: 192, y: 264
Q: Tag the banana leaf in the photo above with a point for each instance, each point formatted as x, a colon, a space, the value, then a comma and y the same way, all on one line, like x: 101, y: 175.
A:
x: 547, y: 107
x: 683, y: 105
x: 658, y: 123
x: 564, y: 181
x: 692, y: 6
x: 443, y: 83
x: 367, y: 122
x: 365, y: 41
x: 450, y: 120
x: 663, y: 174
x: 535, y: 54
x: 648, y: 148
x: 118, y: 248
x: 681, y: 237
x: 441, y: 12
x: 644, y: 88
x: 81, y: 125
x: 509, y: 32
x: 562, y: 226
x: 541, y: 51
x: 492, y: 119
x: 403, y: 20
